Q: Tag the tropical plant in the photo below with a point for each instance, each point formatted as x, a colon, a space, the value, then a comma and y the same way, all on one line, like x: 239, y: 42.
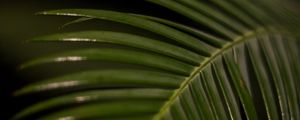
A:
x: 239, y: 61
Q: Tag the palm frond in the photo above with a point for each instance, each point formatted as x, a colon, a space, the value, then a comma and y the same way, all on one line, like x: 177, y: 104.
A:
x: 242, y: 65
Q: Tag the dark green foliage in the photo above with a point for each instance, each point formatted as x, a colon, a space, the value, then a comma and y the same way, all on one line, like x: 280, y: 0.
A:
x: 243, y: 64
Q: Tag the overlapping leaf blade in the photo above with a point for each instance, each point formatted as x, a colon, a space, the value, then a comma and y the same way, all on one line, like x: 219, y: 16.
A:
x: 116, y: 55
x: 131, y: 40
x: 155, y: 27
x: 96, y: 95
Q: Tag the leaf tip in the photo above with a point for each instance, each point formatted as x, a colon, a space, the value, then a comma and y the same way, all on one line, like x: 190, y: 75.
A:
x: 41, y: 13
x: 49, y: 12
x: 23, y: 66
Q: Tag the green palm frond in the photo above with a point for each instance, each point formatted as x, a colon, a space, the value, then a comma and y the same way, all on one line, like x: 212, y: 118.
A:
x: 243, y: 64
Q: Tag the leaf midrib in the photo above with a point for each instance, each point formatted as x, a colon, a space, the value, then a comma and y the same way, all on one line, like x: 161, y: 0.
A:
x: 206, y: 62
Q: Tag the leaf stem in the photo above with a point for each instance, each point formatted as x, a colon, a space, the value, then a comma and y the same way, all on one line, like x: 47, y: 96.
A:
x: 207, y: 61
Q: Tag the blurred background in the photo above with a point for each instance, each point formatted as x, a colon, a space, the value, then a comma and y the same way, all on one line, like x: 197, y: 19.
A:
x: 18, y: 24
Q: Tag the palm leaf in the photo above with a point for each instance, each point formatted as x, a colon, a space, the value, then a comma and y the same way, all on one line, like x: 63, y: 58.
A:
x: 242, y: 65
